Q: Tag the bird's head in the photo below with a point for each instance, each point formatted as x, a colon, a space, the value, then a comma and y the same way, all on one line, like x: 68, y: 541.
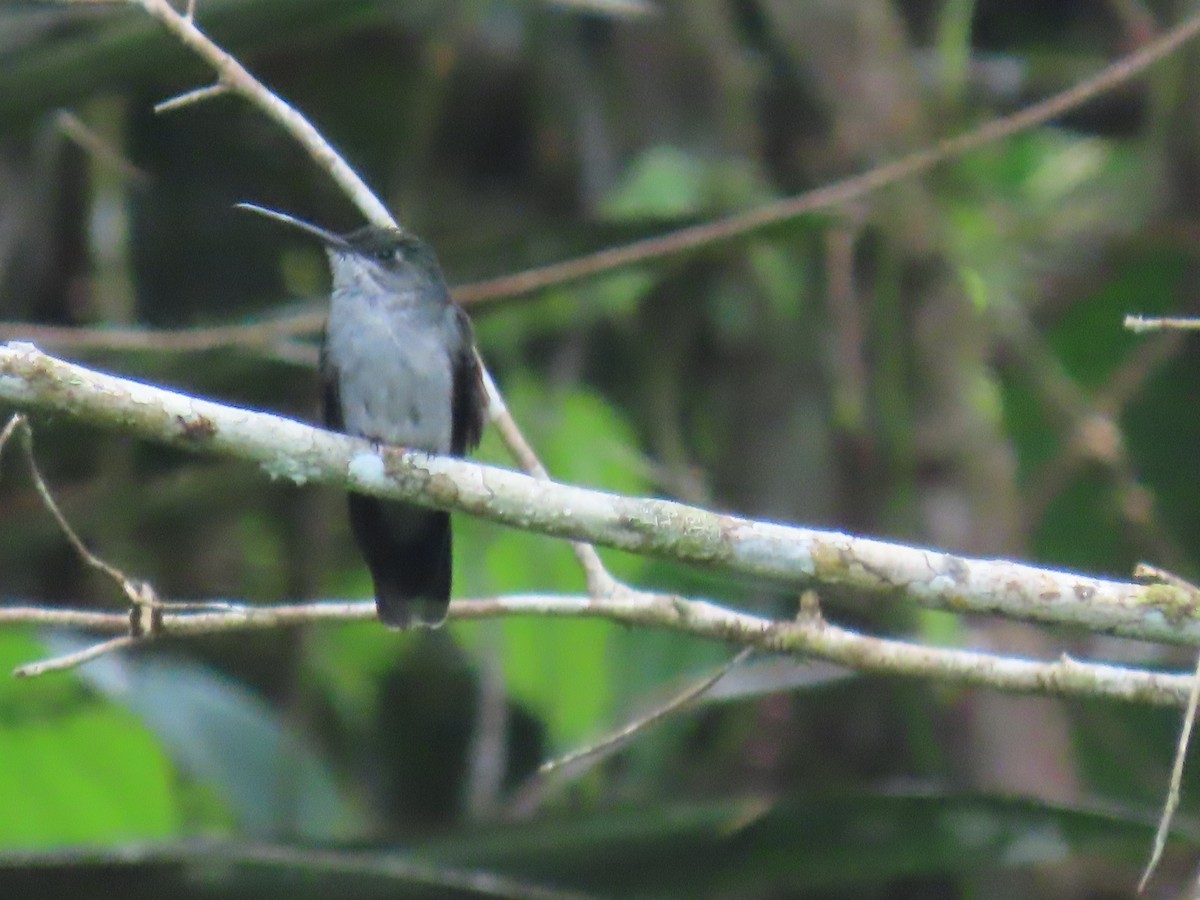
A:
x: 373, y: 258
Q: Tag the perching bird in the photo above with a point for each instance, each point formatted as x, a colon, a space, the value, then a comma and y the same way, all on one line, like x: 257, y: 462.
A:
x: 398, y: 366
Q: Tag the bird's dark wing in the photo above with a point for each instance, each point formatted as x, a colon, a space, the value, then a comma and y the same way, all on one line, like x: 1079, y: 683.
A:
x: 331, y: 399
x: 468, y: 410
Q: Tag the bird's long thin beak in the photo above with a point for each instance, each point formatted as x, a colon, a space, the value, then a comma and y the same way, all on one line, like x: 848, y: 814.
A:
x: 326, y: 237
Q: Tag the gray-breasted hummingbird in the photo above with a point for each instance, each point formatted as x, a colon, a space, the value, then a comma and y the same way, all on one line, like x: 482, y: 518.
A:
x: 398, y: 366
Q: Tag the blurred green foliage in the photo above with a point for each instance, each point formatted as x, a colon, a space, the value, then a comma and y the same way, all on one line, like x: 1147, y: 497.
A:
x: 77, y: 769
x: 940, y: 362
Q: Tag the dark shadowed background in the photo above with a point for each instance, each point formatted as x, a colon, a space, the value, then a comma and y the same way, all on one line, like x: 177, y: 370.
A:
x: 940, y: 362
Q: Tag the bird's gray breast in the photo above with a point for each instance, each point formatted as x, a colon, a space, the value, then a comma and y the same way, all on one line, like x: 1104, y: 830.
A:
x: 394, y: 369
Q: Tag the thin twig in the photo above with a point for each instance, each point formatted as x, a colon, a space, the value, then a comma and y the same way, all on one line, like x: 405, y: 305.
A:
x: 79, y: 546
x: 238, y: 80
x: 78, y: 658
x: 166, y: 340
x: 1147, y: 572
x: 145, y: 607
x: 100, y: 149
x: 141, y: 594
x: 145, y: 616
x: 806, y: 638
x: 532, y: 794
x: 1175, y: 790
x: 1141, y: 324
x: 599, y: 582
x: 187, y: 98
x: 14, y: 420
x: 632, y: 729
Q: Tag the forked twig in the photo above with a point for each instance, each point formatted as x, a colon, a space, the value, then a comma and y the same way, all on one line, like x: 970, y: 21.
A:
x: 145, y: 606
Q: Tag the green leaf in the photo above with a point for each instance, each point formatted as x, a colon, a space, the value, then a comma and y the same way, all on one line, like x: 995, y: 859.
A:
x: 668, y: 183
x: 563, y: 671
x: 662, y: 183
x: 220, y: 733
x: 75, y: 769
x: 87, y: 776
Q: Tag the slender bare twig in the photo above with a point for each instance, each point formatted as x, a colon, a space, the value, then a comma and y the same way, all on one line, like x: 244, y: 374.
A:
x: 1174, y: 791
x: 1140, y: 324
x: 806, y: 638
x: 9, y: 428
x: 236, y: 79
x: 599, y: 581
x: 100, y: 149
x: 145, y: 614
x: 140, y: 594
x: 187, y: 98
x: 532, y: 794
x: 626, y: 732
x: 92, y: 560
x: 166, y: 340
x: 78, y: 658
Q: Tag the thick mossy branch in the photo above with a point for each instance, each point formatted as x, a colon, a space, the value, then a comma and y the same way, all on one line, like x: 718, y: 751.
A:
x: 787, y: 555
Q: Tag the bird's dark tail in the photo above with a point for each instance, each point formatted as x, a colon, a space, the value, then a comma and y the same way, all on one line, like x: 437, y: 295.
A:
x: 407, y: 549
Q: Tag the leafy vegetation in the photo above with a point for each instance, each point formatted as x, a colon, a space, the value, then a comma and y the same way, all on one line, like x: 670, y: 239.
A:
x: 940, y: 361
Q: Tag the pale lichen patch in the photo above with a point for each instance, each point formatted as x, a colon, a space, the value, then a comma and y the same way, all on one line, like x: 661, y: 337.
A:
x: 367, y: 467
x: 290, y: 468
x: 15, y: 388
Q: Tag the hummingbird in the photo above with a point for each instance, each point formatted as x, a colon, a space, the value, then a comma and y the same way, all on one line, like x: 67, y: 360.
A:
x: 397, y: 366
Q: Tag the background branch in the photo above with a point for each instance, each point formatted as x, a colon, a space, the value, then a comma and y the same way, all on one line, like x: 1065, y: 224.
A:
x: 530, y: 281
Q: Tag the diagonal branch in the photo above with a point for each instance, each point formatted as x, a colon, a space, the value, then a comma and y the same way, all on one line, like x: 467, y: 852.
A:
x: 838, y: 192
x: 233, y: 77
x: 787, y: 555
x: 695, y: 237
